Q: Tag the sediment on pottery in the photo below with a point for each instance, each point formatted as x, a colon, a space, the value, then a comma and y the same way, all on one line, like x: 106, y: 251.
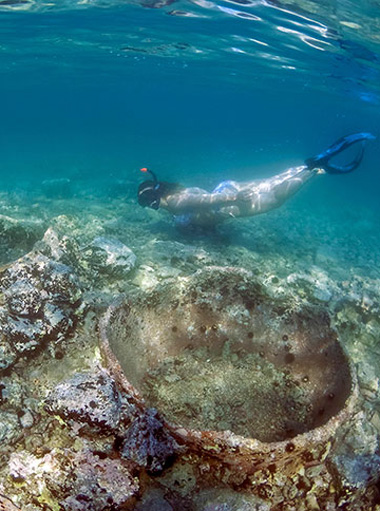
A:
x: 249, y: 380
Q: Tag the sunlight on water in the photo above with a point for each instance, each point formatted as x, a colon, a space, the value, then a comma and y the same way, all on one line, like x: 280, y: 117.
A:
x: 337, y: 43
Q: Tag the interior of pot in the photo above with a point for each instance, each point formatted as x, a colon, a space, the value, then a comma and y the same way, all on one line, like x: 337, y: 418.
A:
x: 217, y: 354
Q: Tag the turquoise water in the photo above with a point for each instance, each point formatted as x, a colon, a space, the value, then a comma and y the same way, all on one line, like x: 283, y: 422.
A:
x: 198, y: 91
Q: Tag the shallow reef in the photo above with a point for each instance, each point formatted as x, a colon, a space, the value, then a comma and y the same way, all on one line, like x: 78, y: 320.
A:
x: 146, y: 369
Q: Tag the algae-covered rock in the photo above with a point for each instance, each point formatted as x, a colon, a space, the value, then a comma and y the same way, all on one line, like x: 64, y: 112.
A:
x: 17, y: 236
x: 100, y: 264
x: 182, y: 477
x: 111, y: 257
x: 19, y: 233
x: 148, y: 443
x: 89, y: 399
x: 356, y: 472
x: 100, y: 485
x: 40, y: 303
x: 73, y: 481
x: 10, y: 429
x: 7, y: 504
x: 11, y: 392
x: 59, y: 247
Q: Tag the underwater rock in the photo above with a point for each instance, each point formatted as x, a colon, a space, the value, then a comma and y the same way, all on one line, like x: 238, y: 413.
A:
x: 82, y: 228
x: 73, y: 481
x: 10, y: 429
x: 148, y: 443
x: 103, y: 264
x: 59, y: 247
x: 356, y: 472
x: 109, y: 257
x: 361, y: 438
x: 60, y: 188
x: 90, y: 399
x: 43, y: 476
x: 355, y: 463
x: 41, y: 300
x: 314, y: 285
x: 17, y: 236
x: 167, y: 260
x: 11, y: 393
x: 17, y: 412
x: 36, y: 472
x: 26, y: 419
x: 7, y: 355
x: 100, y: 485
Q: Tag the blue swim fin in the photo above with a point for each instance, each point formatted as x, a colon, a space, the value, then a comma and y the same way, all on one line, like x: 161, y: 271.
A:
x: 322, y: 160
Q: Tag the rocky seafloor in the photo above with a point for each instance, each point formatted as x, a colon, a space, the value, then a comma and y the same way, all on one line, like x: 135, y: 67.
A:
x: 73, y: 439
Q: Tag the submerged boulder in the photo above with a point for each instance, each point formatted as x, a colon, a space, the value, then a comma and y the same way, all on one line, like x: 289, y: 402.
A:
x: 19, y: 232
x: 39, y: 304
x: 109, y: 257
x: 10, y: 430
x: 148, y: 443
x: 101, y: 485
x: 91, y: 400
x: 17, y: 236
x: 73, y: 481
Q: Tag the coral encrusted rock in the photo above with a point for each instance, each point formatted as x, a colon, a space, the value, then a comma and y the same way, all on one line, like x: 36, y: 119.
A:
x: 88, y: 399
x: 100, y: 485
x: 110, y: 257
x: 148, y: 443
x: 39, y: 303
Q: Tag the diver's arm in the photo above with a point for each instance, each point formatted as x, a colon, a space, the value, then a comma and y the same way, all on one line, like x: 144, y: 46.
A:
x: 196, y: 198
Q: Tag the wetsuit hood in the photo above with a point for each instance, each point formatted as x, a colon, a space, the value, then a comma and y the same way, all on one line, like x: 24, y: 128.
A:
x: 149, y: 194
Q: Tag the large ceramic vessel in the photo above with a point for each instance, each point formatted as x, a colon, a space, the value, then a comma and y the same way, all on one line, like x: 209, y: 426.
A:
x: 252, y: 381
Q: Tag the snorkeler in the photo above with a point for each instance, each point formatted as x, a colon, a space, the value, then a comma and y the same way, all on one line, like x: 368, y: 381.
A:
x: 230, y: 199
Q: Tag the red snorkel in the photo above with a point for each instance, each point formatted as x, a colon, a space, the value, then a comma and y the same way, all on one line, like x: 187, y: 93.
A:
x: 145, y: 169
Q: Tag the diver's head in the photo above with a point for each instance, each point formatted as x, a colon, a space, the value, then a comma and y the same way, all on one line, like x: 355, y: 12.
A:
x: 149, y: 193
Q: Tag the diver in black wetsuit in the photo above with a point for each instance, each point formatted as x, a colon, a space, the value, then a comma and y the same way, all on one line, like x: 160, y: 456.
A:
x: 197, y: 207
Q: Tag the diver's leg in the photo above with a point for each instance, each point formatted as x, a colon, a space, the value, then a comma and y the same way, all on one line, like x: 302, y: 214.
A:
x: 271, y: 193
x: 287, y: 183
x: 275, y: 191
